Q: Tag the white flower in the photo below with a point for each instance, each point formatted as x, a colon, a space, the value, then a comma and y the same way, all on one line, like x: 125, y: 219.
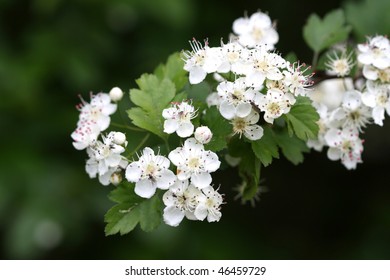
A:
x: 103, y: 156
x: 248, y: 126
x: 203, y: 134
x: 372, y: 73
x: 85, y: 134
x: 98, y: 111
x: 110, y: 175
x: 340, y: 65
x: 256, y: 30
x: 233, y: 58
x: 116, y: 94
x: 274, y: 104
x: 181, y: 200
x: 344, y: 145
x: 209, y: 205
x: 296, y: 80
x: 263, y: 65
x: 352, y: 113
x: 236, y: 98
x: 178, y: 119
x: 194, y: 162
x: 201, y: 61
x: 375, y: 52
x: 150, y: 172
x: 377, y: 98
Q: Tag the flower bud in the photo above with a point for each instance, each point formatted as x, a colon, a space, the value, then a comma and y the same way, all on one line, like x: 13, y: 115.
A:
x: 119, y: 138
x: 116, y: 178
x: 203, y: 134
x: 116, y: 94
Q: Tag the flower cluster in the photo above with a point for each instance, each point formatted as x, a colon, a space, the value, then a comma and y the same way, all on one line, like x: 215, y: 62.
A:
x: 263, y: 80
x: 346, y: 107
x: 105, y: 159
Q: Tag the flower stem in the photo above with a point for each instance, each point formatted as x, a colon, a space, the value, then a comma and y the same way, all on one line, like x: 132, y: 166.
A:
x: 143, y: 141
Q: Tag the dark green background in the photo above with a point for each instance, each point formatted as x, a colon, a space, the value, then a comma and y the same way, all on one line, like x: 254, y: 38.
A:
x: 51, y: 51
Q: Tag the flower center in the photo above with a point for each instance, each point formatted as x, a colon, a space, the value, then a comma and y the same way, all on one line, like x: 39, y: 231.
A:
x: 194, y: 163
x: 257, y: 33
x: 273, y: 108
x: 233, y: 56
x: 384, y: 75
x: 382, y: 99
x: 239, y: 126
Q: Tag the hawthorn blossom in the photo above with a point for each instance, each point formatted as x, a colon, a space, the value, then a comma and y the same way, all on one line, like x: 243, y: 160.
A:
x: 233, y: 58
x: 377, y: 97
x: 248, y: 126
x: 344, y: 145
x: 263, y: 65
x: 98, y: 110
x: 256, y: 30
x: 181, y: 200
x: 201, y: 61
x: 352, y: 113
x: 149, y: 173
x: 372, y: 73
x: 296, y: 80
x: 192, y: 161
x: 274, y: 104
x: 375, y: 52
x: 104, y: 155
x: 94, y: 117
x: 236, y: 98
x: 340, y: 65
x: 178, y: 119
x: 85, y: 134
x: 209, y: 205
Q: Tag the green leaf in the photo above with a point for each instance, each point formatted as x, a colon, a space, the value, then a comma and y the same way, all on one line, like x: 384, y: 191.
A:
x: 152, y: 97
x: 131, y: 210
x: 266, y: 147
x: 249, y: 170
x: 220, y: 128
x: 291, y: 147
x: 150, y: 213
x: 173, y: 70
x: 364, y: 17
x: 121, y: 218
x: 302, y: 119
x: 321, y: 34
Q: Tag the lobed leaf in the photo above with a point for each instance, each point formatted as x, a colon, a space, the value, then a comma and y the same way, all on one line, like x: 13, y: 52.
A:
x: 321, y: 34
x: 302, y: 119
x: 266, y: 148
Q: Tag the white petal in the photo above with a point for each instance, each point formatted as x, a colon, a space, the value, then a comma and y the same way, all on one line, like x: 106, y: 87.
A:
x: 201, y: 180
x: 185, y: 129
x: 211, y: 162
x: 105, y: 178
x: 254, y: 132
x: 167, y: 179
x: 243, y: 109
x: 170, y: 126
x: 241, y: 25
x: 169, y: 198
x: 333, y: 137
x: 201, y: 212
x: 133, y: 172
x: 334, y: 153
x: 145, y: 188
x: 197, y: 75
x: 113, y: 160
x: 79, y: 145
x: 378, y: 114
x: 227, y: 110
x: 109, y: 109
x: 370, y: 72
x: 368, y: 99
x: 103, y: 122
x: 173, y: 216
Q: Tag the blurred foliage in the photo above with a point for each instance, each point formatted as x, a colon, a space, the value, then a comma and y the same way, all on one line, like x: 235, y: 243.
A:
x: 51, y: 51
